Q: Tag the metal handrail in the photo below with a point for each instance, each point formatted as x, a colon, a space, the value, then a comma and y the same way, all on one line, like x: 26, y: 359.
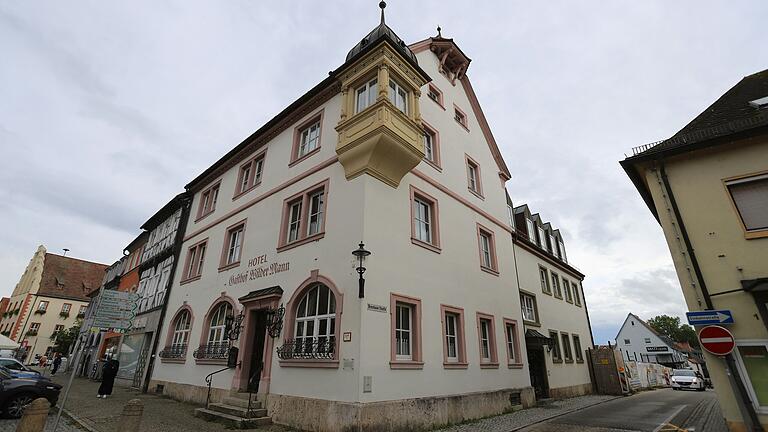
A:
x: 209, y: 381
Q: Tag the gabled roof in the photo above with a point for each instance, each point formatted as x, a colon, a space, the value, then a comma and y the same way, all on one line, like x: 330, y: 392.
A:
x: 666, y: 339
x: 728, y: 119
x: 72, y: 278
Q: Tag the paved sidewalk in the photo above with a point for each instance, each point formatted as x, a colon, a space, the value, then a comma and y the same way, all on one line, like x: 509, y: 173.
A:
x: 65, y: 425
x: 520, y: 419
x: 161, y: 414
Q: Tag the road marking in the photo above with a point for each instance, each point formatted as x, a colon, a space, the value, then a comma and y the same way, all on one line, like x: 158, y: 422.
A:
x: 669, y: 419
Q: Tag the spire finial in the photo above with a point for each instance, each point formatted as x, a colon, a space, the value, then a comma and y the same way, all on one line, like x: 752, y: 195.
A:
x: 382, y: 5
x: 438, y: 31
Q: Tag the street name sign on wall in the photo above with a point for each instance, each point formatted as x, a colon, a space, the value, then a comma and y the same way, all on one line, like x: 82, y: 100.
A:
x: 709, y: 317
x: 717, y: 340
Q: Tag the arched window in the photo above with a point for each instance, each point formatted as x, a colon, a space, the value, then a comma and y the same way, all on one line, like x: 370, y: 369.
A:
x: 218, y: 323
x: 316, y: 321
x: 181, y: 329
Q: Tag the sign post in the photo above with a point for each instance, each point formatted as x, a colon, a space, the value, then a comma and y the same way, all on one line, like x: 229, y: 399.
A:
x: 717, y: 340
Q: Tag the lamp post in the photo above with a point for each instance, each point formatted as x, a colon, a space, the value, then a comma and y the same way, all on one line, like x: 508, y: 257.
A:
x: 360, y: 253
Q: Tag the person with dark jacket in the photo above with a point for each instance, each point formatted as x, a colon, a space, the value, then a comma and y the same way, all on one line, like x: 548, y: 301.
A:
x: 56, y: 363
x: 109, y: 372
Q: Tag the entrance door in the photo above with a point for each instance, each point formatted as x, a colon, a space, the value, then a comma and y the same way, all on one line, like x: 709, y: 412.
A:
x: 257, y: 350
x: 538, y: 368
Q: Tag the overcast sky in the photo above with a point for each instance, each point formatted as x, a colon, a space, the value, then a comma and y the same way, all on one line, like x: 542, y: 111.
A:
x: 107, y: 109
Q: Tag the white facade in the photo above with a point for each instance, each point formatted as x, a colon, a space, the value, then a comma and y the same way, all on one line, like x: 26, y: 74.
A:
x: 638, y: 342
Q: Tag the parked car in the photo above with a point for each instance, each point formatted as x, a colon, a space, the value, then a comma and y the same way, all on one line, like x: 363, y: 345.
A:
x: 18, y: 369
x: 687, y: 379
x: 18, y: 392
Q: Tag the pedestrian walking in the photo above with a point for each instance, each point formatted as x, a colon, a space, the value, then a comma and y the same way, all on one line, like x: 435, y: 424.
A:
x: 109, y: 372
x: 43, y: 361
x: 56, y: 363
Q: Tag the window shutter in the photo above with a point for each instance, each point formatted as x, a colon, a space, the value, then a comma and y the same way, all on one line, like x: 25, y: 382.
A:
x: 751, y: 199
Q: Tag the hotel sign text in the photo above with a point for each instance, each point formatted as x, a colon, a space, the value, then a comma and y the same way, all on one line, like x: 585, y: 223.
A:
x: 258, y: 267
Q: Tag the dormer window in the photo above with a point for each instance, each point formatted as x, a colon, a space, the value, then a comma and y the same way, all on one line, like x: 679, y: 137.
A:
x: 552, y: 245
x: 398, y: 96
x: 531, y: 230
x: 366, y: 95
x: 562, y: 252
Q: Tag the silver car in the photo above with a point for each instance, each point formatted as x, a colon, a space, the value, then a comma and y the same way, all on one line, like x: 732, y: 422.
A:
x: 687, y: 379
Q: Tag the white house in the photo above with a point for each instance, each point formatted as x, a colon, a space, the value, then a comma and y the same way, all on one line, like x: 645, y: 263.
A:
x: 638, y: 341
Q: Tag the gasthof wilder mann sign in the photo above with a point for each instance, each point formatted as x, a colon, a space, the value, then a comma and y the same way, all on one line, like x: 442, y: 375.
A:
x: 258, y: 267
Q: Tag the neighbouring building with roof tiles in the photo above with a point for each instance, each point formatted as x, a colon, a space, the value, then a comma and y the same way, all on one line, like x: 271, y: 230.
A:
x: 707, y: 186
x: 390, y: 154
x: 50, y: 296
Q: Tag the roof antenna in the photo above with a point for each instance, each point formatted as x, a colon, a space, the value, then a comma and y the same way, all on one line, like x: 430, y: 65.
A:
x: 382, y: 5
x: 65, y: 251
x: 439, y: 34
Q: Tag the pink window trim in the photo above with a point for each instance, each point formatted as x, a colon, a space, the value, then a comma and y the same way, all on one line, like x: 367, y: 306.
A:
x: 207, y: 323
x: 223, y: 260
x: 516, y: 363
x: 290, y: 318
x: 295, y: 159
x: 479, y: 180
x: 436, y: 164
x: 494, y: 363
x: 435, y: 215
x: 238, y: 193
x: 201, y: 213
x: 439, y: 100
x: 283, y: 244
x: 416, y: 354
x: 461, y: 340
x: 186, y: 278
x: 172, y: 327
x: 465, y: 125
x: 494, y: 269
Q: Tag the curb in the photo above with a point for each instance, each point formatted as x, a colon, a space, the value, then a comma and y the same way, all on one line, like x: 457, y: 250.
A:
x: 564, y: 413
x: 80, y: 422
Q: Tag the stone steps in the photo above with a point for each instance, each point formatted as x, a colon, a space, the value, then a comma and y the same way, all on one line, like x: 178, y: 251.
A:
x: 242, y: 403
x: 232, y: 421
x: 256, y: 412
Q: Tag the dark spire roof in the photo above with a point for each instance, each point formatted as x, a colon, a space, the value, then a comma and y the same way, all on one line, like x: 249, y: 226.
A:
x: 382, y: 31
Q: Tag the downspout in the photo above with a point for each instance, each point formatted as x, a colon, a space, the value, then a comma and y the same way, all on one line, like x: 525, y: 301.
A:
x: 186, y: 205
x: 751, y: 419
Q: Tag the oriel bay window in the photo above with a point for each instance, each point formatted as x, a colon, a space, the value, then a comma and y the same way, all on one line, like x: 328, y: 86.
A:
x: 250, y: 174
x: 304, y: 217
x: 216, y: 344
x: 486, y: 335
x: 398, y: 96
x: 424, y: 220
x: 454, y: 339
x: 193, y: 267
x: 406, y: 332
x: 233, y: 246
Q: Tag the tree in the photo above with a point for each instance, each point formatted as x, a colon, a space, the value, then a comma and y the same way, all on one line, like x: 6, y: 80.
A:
x: 670, y: 326
x: 65, y: 338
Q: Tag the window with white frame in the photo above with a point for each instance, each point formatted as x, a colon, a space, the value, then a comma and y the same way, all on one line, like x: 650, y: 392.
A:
x: 304, y: 216
x: 34, y: 327
x: 315, y: 325
x: 542, y: 238
x: 234, y: 244
x: 208, y: 200
x: 460, y: 117
x: 82, y: 310
x: 181, y: 329
x: 552, y: 245
x: 366, y: 95
x: 452, y: 337
x: 195, y: 259
x: 316, y: 210
x: 422, y: 219
x: 556, y: 285
x: 250, y: 174
x: 528, y: 305
x: 544, y: 280
x: 66, y: 307
x: 576, y: 295
x: 485, y: 340
x: 218, y: 322
x: 42, y: 306
x: 294, y: 220
x: 511, y: 339
x: 398, y: 96
x: 567, y: 288
x: 511, y: 215
x: 557, y: 355
x: 750, y: 197
x: 435, y: 94
x: 430, y: 144
x: 562, y: 252
x: 486, y: 250
x: 531, y: 230
x: 567, y: 347
x: 403, y: 331
x: 577, y: 348
x: 309, y: 139
x: 473, y: 176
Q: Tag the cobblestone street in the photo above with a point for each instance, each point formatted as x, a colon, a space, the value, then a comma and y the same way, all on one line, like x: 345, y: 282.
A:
x: 65, y: 425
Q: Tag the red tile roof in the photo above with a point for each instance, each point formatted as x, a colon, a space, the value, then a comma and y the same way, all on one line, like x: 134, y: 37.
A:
x: 71, y: 278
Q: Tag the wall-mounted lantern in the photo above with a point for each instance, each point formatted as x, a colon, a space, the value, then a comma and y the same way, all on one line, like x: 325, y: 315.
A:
x: 360, y: 253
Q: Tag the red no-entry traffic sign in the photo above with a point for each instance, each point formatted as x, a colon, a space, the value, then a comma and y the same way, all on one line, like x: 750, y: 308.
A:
x: 717, y: 340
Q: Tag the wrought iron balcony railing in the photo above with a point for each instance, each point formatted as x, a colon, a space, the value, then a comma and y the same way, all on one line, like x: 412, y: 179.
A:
x: 175, y: 351
x: 308, y: 348
x: 218, y: 350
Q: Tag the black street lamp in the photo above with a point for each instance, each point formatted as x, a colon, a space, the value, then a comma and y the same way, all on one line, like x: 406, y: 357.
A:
x: 360, y: 253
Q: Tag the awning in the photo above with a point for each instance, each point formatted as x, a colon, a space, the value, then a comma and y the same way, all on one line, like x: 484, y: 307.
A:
x: 7, y: 343
x: 262, y: 293
x: 534, y: 337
